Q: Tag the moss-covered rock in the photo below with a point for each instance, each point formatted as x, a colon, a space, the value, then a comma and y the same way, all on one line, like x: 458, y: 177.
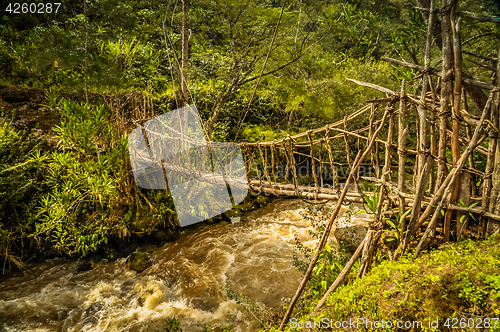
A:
x: 139, y: 261
x: 262, y: 201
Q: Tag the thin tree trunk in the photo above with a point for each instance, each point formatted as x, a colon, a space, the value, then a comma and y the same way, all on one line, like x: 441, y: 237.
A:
x: 402, y: 129
x: 422, y: 120
x: 445, y: 95
x: 185, y: 50
x: 476, y: 94
x: 344, y: 272
x: 457, y: 94
x: 471, y: 157
x: 419, y: 194
x: 371, y: 243
x: 491, y: 188
x: 86, y: 49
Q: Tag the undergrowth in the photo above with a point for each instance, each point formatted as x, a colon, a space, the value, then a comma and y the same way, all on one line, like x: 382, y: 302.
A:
x: 72, y: 200
x: 458, y: 281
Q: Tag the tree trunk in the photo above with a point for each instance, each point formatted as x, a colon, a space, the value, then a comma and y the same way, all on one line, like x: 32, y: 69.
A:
x: 457, y: 95
x: 494, y: 203
x: 476, y: 94
x: 185, y: 49
x: 86, y: 49
x: 445, y: 97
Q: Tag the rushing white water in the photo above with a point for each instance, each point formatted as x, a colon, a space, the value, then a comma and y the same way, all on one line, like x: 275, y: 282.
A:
x: 188, y: 280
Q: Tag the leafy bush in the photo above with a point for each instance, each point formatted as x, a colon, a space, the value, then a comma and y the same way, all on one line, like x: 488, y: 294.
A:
x: 20, y: 188
x: 92, y: 195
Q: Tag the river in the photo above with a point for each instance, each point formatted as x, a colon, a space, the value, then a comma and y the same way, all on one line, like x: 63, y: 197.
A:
x: 188, y: 280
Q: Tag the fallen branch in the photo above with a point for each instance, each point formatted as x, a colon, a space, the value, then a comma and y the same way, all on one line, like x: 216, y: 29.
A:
x: 480, y: 56
x: 373, y: 86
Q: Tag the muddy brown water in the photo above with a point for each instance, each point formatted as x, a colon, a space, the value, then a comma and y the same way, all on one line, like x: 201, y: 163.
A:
x: 188, y: 280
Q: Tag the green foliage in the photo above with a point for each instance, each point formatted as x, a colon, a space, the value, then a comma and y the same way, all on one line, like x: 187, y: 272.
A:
x: 458, y: 281
x: 469, y: 213
x: 371, y: 200
x: 395, y: 225
x: 172, y: 325
x: 83, y: 177
x: 91, y: 195
x: 20, y: 187
x: 221, y: 328
x: 265, y: 317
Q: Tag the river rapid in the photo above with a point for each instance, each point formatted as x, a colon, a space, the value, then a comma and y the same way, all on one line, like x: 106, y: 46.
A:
x: 188, y: 280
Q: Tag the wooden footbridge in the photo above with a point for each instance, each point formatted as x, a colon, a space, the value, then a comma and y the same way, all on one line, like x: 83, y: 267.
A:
x: 447, y: 172
x: 409, y: 173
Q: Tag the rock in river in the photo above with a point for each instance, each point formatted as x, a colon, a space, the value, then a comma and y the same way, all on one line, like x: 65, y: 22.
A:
x: 139, y: 261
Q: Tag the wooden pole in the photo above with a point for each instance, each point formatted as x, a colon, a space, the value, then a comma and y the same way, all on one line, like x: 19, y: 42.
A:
x: 370, y: 131
x: 402, y: 130
x: 419, y: 194
x: 445, y: 94
x: 422, y: 130
x: 425, y: 163
x: 492, y: 163
x: 343, y: 273
x: 86, y: 49
x: 469, y: 136
x: 457, y: 94
x: 474, y: 142
x: 371, y: 242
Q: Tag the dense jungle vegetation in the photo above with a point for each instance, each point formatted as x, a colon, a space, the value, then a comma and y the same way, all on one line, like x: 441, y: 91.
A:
x: 51, y: 198
x: 257, y: 70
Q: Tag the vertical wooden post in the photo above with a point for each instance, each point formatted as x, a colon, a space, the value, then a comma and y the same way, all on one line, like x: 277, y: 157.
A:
x: 86, y: 49
x: 416, y: 168
x: 428, y: 80
x: 491, y: 189
x: 347, y: 150
x: 422, y: 129
x: 415, y: 212
x: 445, y: 92
x: 402, y: 129
x: 445, y: 188
x: 463, y: 196
x: 370, y: 131
x: 386, y: 171
x: 445, y: 97
x: 357, y: 162
x: 457, y: 94
x: 433, y: 141
x: 313, y: 163
x: 471, y: 157
x: 371, y: 242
